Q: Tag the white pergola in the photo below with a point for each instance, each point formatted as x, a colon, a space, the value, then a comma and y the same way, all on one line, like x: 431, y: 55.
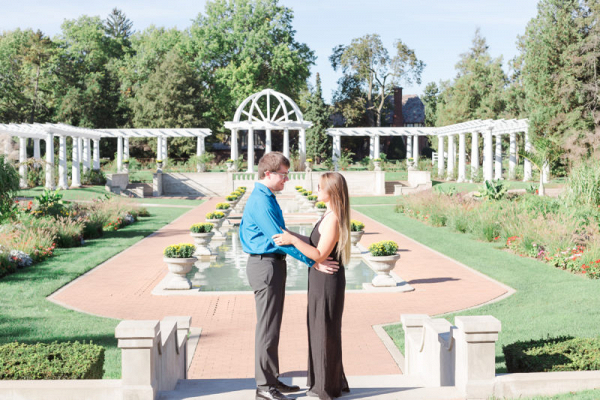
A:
x: 81, y: 150
x: 492, y: 165
x: 286, y: 116
x: 161, y: 135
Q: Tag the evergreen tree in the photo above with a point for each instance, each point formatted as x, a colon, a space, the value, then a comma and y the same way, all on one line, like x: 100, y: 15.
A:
x: 318, y: 143
x: 430, y: 100
x: 118, y: 26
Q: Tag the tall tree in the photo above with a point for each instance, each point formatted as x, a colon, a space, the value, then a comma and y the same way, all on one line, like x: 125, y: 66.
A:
x: 318, y: 144
x: 118, y: 26
x: 38, y: 52
x: 430, y: 100
x: 369, y: 61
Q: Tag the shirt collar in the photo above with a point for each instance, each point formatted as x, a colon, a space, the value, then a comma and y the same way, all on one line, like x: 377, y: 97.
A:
x: 263, y: 188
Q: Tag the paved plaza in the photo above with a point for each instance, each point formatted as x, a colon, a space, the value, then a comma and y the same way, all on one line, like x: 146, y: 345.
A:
x: 122, y: 288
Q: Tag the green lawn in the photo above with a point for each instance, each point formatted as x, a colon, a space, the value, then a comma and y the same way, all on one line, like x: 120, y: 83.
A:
x: 548, y: 301
x: 25, y: 314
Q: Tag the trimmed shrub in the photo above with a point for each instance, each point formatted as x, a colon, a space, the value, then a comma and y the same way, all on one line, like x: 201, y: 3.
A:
x: 93, y: 177
x: 51, y: 361
x: 563, y: 353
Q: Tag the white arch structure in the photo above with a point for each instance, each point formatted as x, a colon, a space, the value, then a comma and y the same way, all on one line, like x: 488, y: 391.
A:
x: 82, y: 150
x: 281, y: 113
x: 492, y: 155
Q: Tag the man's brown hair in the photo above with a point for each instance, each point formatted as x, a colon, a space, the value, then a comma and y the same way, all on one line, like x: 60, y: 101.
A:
x: 271, y: 162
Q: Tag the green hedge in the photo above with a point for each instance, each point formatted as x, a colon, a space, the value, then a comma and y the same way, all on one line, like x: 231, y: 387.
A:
x: 563, y: 353
x: 51, y: 361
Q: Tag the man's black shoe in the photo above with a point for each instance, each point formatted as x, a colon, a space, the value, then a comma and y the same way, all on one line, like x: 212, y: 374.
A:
x: 283, y: 388
x: 271, y: 394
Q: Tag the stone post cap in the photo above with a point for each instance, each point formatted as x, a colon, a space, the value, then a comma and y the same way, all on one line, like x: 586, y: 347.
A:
x: 137, y: 329
x: 183, y: 322
x: 413, y: 320
x: 478, y: 324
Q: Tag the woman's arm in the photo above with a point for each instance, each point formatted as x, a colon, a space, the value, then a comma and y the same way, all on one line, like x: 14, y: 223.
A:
x: 305, y: 239
x: 329, y: 237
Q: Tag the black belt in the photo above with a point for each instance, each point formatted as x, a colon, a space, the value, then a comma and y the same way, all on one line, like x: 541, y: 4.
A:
x: 269, y: 255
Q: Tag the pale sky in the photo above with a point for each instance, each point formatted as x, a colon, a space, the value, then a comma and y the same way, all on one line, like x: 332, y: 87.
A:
x: 438, y: 30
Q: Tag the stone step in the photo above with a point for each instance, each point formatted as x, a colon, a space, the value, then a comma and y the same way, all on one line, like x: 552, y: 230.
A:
x: 382, y: 387
x: 139, y: 190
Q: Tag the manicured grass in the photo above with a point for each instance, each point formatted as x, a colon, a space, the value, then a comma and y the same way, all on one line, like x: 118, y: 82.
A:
x: 367, y: 200
x: 25, y: 314
x: 548, y: 301
x: 396, y: 176
x: 585, y: 395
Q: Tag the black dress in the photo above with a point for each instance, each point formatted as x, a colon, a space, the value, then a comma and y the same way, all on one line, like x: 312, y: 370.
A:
x: 324, y: 318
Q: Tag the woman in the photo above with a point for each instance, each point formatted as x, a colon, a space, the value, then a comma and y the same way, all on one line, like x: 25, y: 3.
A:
x: 330, y: 238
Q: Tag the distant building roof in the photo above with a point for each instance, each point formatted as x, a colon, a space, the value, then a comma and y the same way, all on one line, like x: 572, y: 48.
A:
x: 413, y: 109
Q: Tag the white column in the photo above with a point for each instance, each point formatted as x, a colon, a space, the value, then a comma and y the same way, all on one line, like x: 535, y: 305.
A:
x: 286, y: 143
x: 462, y: 158
x: 159, y: 148
x: 50, y: 162
x: 498, y: 159
x: 165, y: 150
x: 451, y: 157
x: 63, y: 182
x: 126, y: 148
x: 36, y: 150
x: 233, y: 144
x: 372, y: 147
x: 302, y: 146
x: 337, y: 149
x: 200, y: 149
x: 376, y: 147
x: 97, y: 154
x: 251, y: 150
x: 415, y: 149
x: 409, y: 145
x: 268, y: 141
x: 22, y: 160
x: 488, y: 157
x: 440, y: 156
x: 512, y: 159
x: 474, y: 155
x: 75, y: 172
x: 86, y: 155
x: 119, y: 154
x: 527, y: 163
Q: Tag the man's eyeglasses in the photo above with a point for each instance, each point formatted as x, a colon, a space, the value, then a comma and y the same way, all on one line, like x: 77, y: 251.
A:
x: 286, y: 175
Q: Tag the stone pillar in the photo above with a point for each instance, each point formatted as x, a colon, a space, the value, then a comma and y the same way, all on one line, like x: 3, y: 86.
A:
x: 268, y: 141
x: 286, y: 143
x: 475, y: 341
x: 63, y: 182
x: 488, y: 156
x: 409, y: 143
x: 462, y: 158
x: 233, y: 145
x: 75, y: 171
x: 412, y: 324
x: 165, y: 150
x: 200, y: 149
x: 97, y: 154
x: 512, y: 159
x: 159, y: 148
x: 302, y: 146
x: 527, y: 163
x: 251, y: 150
x: 415, y: 149
x: 22, y: 162
x: 474, y: 155
x: 451, y: 158
x: 36, y: 151
x: 139, y: 341
x: 126, y: 148
x: 86, y: 155
x: 498, y: 158
x: 376, y: 146
x: 337, y: 150
x: 119, y: 154
x: 440, y: 156
x: 80, y: 149
x: 50, y: 162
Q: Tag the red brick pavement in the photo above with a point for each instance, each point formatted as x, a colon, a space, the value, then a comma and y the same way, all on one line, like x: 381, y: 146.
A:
x: 121, y: 288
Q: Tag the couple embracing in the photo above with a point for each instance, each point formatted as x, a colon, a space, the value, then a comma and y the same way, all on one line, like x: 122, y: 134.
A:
x: 325, y: 251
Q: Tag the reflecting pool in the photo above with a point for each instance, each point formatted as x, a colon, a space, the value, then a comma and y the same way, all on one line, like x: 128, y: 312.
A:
x: 226, y: 271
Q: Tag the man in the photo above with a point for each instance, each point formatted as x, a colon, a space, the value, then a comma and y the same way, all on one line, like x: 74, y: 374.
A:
x: 267, y: 271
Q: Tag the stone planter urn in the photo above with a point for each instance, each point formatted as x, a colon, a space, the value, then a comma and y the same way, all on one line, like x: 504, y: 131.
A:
x: 230, y: 167
x: 377, y: 165
x: 321, y: 211
x: 179, y: 268
x: 308, y: 166
x: 201, y: 241
x: 217, y: 222
x: 382, y: 265
x: 355, y: 237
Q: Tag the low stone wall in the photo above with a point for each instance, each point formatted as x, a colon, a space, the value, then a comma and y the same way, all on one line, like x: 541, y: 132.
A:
x: 154, y: 358
x: 116, y: 183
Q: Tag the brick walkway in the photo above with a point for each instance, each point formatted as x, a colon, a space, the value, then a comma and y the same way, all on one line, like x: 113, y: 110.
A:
x: 121, y: 288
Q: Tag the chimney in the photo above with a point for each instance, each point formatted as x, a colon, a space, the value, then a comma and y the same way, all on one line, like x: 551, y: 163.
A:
x: 398, y: 119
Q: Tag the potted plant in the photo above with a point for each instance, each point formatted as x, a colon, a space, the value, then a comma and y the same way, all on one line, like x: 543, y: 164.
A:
x: 180, y: 259
x: 231, y: 199
x: 356, y: 233
x: 312, y: 199
x: 216, y: 218
x: 202, y: 233
x: 377, y: 164
x: 308, y: 164
x: 159, y: 164
x: 321, y: 207
x: 230, y: 165
x: 382, y: 260
x: 126, y: 165
x: 225, y: 208
x: 411, y: 163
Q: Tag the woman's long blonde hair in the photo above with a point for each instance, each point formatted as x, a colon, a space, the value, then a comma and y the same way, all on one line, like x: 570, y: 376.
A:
x: 335, y: 185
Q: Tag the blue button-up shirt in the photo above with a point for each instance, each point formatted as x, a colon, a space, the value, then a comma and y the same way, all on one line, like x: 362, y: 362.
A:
x: 261, y: 220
